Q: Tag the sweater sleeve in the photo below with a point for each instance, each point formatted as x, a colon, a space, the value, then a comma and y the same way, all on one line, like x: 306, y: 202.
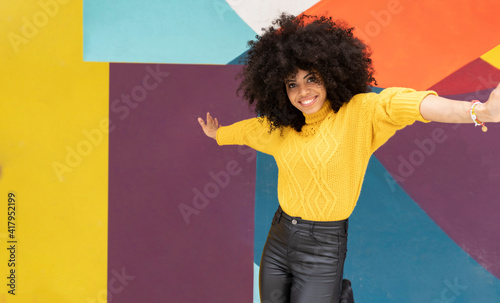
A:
x: 251, y: 132
x: 394, y: 109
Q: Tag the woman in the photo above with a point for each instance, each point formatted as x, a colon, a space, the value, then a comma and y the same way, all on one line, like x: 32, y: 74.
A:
x: 309, y: 78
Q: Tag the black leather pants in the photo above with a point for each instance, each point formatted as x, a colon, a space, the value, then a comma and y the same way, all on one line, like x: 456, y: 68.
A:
x: 303, y: 261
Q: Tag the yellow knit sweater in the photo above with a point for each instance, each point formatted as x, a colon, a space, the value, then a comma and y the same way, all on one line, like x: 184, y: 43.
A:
x: 321, y: 168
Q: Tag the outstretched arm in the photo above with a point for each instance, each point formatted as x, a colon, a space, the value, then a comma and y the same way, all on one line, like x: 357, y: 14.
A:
x: 209, y: 128
x: 252, y: 132
x: 440, y: 109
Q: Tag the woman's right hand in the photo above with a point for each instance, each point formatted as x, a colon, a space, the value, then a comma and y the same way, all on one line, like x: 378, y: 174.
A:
x: 210, y: 127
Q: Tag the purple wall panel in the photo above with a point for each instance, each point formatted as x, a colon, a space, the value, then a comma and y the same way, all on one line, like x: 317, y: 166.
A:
x: 159, y: 160
x: 453, y: 172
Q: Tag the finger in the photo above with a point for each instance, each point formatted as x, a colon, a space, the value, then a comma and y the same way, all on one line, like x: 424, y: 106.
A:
x: 216, y: 123
x: 209, y: 118
x: 200, y: 120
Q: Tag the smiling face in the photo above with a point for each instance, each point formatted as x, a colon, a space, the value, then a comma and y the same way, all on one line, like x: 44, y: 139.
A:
x: 306, y: 91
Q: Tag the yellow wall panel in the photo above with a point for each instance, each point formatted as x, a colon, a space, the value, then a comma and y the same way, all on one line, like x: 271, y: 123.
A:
x: 493, y: 57
x: 53, y: 155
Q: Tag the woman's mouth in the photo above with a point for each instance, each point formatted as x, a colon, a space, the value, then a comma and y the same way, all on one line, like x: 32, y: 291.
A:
x: 308, y: 102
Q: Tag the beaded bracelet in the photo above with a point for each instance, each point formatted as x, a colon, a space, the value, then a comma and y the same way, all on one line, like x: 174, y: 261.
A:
x: 473, y: 115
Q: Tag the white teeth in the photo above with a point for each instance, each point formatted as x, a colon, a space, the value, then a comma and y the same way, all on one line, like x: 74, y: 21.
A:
x: 307, y: 101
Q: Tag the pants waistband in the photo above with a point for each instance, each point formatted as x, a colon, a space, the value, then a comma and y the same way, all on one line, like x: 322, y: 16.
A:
x: 281, y: 215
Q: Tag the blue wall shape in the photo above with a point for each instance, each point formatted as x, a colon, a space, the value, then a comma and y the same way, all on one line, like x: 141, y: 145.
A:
x: 396, y: 252
x: 239, y: 60
x: 266, y: 201
x: 190, y: 31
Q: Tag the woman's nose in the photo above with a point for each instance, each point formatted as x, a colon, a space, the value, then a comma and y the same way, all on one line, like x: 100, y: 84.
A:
x: 304, y: 90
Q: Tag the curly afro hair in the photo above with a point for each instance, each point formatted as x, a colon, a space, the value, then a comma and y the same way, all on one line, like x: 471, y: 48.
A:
x: 309, y: 43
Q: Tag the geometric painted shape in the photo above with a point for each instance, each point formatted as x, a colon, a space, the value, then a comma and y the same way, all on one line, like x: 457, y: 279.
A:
x: 475, y: 76
x: 493, y: 57
x: 260, y: 15
x: 180, y: 207
x: 452, y: 172
x: 52, y: 103
x: 266, y: 201
x: 239, y: 60
x: 256, y: 292
x: 397, y: 253
x: 192, y: 31
x: 417, y: 43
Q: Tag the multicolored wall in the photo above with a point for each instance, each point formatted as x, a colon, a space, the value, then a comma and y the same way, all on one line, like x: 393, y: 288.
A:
x: 117, y: 196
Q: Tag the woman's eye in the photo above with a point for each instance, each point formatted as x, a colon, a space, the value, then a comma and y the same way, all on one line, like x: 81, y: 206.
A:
x: 292, y: 85
x: 312, y: 79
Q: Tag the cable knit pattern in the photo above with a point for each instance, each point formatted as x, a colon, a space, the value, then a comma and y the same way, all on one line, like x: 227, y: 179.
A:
x: 321, y: 168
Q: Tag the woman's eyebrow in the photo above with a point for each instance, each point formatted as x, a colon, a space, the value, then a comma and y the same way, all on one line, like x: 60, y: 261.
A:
x: 311, y: 73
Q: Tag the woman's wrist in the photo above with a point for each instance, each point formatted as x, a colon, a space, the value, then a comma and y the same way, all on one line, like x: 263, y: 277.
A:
x: 483, y: 113
x: 214, y: 135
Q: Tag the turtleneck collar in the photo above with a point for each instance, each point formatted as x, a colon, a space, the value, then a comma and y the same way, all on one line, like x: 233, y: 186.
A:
x: 320, y: 115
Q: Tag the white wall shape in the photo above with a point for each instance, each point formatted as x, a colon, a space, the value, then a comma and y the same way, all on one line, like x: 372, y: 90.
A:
x: 260, y: 14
